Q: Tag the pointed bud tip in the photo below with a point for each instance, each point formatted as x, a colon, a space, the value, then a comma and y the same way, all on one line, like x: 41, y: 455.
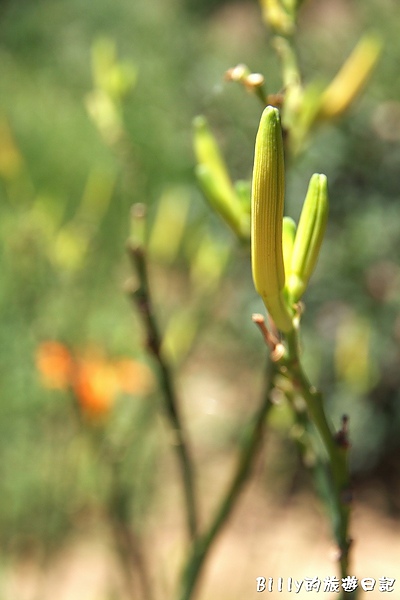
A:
x: 270, y: 112
x: 320, y: 182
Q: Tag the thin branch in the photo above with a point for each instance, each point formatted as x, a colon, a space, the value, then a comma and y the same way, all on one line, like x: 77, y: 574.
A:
x: 141, y: 296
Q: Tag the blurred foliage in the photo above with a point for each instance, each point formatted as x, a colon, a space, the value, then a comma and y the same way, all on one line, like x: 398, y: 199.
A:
x: 68, y: 181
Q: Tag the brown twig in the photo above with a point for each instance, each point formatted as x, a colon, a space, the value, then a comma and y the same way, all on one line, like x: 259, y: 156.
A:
x: 141, y: 297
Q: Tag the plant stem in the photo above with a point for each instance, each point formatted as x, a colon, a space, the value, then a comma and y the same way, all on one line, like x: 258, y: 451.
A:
x: 201, y: 547
x: 336, y: 445
x: 142, y: 298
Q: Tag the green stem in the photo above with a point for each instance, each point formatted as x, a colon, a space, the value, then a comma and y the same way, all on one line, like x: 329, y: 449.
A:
x: 196, y: 561
x: 336, y: 447
x: 142, y: 298
x: 284, y: 47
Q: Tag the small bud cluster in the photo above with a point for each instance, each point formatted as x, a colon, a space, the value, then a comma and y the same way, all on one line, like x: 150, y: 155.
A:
x: 283, y: 259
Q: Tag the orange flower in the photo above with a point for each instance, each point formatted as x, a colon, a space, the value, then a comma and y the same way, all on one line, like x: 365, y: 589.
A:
x: 54, y: 364
x: 95, y: 381
x: 96, y: 386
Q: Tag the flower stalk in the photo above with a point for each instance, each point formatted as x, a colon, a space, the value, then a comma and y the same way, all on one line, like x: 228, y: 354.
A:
x: 283, y: 260
x: 141, y: 297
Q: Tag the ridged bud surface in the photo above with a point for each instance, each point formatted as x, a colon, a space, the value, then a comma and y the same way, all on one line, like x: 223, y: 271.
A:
x: 268, y: 191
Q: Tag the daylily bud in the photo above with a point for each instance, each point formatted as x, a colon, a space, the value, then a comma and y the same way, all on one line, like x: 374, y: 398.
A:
x: 309, y: 236
x: 226, y: 205
x: 214, y: 179
x: 277, y: 17
x: 208, y: 153
x: 351, y: 78
x: 268, y: 192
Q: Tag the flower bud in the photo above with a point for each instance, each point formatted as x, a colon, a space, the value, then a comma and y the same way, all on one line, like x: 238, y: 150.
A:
x: 268, y: 191
x: 309, y: 236
x: 214, y: 179
x: 208, y: 153
x: 277, y: 17
x: 226, y: 205
x: 351, y: 78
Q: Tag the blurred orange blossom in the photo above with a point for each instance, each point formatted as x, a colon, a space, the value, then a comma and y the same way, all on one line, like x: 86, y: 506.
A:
x: 95, y: 380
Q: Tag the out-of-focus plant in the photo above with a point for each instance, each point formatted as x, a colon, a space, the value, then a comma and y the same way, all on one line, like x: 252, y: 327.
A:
x: 94, y: 383
x: 48, y: 245
x: 113, y: 79
x: 64, y: 241
x: 214, y: 180
x: 306, y: 105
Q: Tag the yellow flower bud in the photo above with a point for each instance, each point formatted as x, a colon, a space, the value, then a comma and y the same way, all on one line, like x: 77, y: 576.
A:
x: 277, y: 17
x: 268, y: 190
x: 351, y: 78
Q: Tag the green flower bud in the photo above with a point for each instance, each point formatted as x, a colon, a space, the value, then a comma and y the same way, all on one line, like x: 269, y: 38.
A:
x: 309, y: 236
x: 208, y: 153
x: 215, y: 182
x: 232, y: 212
x: 268, y: 192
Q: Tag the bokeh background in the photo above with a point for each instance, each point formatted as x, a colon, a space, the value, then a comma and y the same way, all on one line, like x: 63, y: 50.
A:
x: 97, y: 101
